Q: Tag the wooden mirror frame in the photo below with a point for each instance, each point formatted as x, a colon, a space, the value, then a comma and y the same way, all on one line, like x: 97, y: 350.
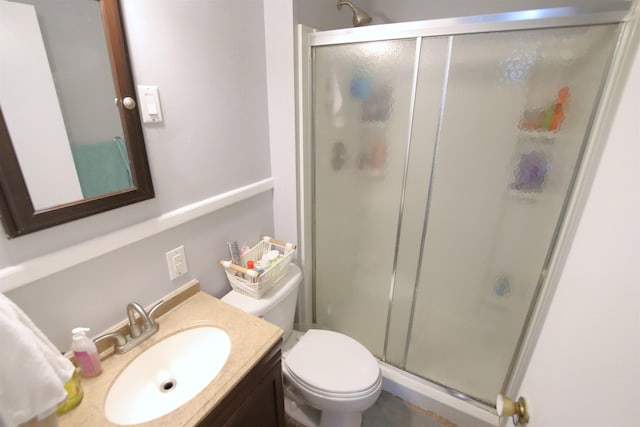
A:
x: 16, y: 208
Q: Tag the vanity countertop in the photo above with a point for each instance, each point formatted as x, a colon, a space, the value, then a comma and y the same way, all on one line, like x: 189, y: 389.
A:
x: 251, y: 339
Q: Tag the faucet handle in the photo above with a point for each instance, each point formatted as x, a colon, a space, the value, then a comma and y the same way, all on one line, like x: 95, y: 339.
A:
x: 153, y: 310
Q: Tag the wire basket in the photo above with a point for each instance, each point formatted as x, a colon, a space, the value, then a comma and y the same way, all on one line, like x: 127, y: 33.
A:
x: 256, y: 283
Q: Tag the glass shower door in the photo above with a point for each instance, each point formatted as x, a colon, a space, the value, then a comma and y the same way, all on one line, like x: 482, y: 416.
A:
x: 441, y: 171
x: 518, y: 107
x: 362, y: 100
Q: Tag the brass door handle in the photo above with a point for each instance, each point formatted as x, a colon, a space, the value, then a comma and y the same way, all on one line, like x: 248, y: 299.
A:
x: 518, y: 411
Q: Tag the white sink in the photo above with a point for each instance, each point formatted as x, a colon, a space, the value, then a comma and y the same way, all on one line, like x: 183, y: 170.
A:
x: 167, y: 375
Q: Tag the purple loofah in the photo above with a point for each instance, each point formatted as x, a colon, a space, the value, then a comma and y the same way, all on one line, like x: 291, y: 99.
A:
x: 531, y: 172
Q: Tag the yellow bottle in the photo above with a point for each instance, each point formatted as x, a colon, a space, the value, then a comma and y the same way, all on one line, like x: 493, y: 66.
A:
x: 73, y: 387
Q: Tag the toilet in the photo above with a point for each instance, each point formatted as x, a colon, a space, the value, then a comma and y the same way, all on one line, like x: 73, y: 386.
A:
x: 324, y: 371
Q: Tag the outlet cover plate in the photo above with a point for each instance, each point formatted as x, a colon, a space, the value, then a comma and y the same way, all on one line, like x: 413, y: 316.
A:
x: 176, y: 262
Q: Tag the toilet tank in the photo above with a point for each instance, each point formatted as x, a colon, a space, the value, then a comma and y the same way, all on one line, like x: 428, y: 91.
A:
x: 277, y: 306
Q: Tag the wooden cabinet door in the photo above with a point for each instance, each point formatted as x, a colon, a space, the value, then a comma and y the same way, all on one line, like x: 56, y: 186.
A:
x: 257, y: 401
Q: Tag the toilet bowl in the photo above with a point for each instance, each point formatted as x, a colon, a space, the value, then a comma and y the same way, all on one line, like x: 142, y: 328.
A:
x: 335, y: 374
x: 331, y: 372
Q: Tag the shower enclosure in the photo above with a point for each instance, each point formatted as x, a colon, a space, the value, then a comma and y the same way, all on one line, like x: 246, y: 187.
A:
x: 442, y: 158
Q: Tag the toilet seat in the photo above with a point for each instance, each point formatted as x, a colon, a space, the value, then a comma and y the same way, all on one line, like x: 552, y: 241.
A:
x: 328, y: 394
x: 333, y: 365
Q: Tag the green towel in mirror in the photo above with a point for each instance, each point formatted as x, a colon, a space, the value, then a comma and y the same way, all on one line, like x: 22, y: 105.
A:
x: 103, y: 167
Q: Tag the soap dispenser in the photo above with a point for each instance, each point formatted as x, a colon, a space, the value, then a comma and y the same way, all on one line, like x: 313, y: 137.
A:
x: 85, y: 352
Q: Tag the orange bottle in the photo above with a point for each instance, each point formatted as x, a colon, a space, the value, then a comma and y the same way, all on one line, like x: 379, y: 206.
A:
x: 558, y: 106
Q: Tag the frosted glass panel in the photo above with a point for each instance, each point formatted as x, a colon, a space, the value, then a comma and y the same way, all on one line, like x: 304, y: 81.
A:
x: 517, y: 108
x: 431, y: 77
x: 362, y: 96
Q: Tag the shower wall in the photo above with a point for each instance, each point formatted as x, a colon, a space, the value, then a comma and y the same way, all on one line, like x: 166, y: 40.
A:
x: 437, y: 198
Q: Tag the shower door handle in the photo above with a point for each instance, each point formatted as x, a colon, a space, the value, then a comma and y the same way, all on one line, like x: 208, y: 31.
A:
x: 518, y: 411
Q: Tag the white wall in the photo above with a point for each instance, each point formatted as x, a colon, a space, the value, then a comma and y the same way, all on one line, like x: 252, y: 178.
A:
x: 279, y: 45
x: 324, y: 15
x: 588, y: 354
x: 208, y: 60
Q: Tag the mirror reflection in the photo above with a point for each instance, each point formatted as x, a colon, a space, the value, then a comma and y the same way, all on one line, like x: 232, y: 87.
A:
x: 57, y: 98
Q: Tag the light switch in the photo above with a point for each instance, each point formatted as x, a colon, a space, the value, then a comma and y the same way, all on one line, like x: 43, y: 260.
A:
x: 150, y: 108
x: 151, y: 104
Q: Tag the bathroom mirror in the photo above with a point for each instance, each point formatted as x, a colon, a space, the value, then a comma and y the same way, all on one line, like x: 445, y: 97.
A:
x: 71, y: 142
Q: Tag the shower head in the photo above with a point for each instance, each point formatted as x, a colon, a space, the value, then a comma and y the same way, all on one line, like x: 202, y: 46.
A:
x: 360, y: 17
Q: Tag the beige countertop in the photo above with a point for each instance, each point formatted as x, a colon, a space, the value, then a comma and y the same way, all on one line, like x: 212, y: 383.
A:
x: 250, y: 336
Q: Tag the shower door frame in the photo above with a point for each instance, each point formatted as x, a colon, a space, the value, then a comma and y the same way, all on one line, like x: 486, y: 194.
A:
x: 592, y: 147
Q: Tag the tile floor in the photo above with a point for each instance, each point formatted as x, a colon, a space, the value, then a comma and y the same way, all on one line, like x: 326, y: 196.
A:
x: 391, y: 411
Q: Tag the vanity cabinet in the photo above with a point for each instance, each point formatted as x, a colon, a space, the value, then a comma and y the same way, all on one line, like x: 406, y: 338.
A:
x: 257, y: 400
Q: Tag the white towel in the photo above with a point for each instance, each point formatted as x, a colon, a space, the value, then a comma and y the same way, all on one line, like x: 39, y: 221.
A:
x: 32, y: 370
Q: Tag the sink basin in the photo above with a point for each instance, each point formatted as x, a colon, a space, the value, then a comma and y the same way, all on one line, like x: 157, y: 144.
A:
x: 167, y: 375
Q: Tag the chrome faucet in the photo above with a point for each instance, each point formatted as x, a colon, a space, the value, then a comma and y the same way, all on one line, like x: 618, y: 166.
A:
x: 137, y: 333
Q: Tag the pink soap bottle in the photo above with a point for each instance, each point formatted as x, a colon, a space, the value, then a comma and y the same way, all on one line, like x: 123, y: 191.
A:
x: 85, y: 352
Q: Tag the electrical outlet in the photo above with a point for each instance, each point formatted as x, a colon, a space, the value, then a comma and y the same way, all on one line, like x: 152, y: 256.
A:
x: 177, y: 262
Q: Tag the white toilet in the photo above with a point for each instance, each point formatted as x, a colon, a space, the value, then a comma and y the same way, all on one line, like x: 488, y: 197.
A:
x: 330, y: 371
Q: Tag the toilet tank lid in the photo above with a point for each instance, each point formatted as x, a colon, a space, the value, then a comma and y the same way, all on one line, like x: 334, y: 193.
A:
x: 280, y: 291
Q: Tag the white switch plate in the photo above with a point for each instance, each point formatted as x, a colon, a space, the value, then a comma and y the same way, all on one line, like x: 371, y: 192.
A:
x: 149, y: 104
x: 177, y: 262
